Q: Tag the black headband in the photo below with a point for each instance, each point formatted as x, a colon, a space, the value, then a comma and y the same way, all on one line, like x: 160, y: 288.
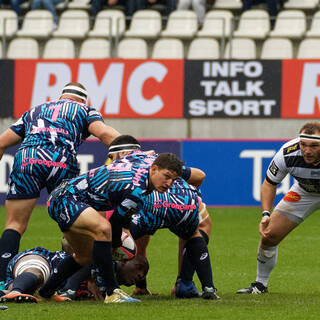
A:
x: 75, y: 91
x: 124, y: 147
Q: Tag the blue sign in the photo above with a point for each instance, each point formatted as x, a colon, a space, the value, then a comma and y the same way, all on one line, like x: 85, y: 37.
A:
x: 234, y: 170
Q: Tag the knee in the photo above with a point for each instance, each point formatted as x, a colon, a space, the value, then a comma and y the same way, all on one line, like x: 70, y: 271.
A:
x: 270, y: 238
x: 103, y: 232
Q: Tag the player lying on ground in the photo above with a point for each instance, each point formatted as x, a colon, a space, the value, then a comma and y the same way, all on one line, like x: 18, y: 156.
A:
x: 178, y: 210
x: 76, y: 203
x: 29, y: 270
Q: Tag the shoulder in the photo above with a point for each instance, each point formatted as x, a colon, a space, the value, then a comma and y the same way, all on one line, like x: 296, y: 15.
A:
x: 291, y: 146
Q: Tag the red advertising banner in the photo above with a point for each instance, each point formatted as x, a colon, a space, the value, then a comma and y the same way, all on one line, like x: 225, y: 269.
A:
x: 300, y: 89
x: 117, y: 88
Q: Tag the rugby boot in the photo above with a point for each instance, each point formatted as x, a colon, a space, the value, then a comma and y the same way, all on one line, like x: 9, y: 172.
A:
x: 19, y: 298
x: 210, y: 294
x: 119, y: 296
x: 255, y: 288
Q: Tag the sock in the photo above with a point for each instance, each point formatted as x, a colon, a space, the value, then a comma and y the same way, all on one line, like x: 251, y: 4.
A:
x: 26, y: 282
x: 102, y: 257
x: 9, y: 247
x: 73, y: 282
x: 267, y: 259
x: 198, y: 254
x: 187, y: 269
x: 65, y: 269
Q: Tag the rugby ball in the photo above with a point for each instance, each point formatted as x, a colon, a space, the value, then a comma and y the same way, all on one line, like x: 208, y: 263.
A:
x: 127, y: 250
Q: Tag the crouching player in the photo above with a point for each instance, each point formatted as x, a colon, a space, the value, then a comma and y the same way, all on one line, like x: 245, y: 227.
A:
x: 178, y: 210
x: 30, y: 269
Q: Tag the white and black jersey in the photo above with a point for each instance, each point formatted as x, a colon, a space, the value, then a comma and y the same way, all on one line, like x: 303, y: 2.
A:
x: 290, y: 160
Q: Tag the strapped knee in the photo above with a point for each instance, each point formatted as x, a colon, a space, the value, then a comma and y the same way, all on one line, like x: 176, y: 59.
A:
x: 267, y: 253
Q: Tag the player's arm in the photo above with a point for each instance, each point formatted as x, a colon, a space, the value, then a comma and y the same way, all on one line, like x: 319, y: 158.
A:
x: 103, y: 132
x: 268, y: 193
x: 193, y: 176
x: 7, y: 139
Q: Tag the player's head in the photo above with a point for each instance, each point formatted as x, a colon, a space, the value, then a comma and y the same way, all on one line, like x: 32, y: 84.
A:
x: 309, y: 136
x: 74, y: 91
x: 123, y: 145
x: 130, y: 271
x: 166, y: 168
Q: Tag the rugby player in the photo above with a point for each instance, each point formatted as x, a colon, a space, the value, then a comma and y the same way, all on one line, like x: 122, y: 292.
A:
x: 50, y: 135
x: 76, y: 203
x: 29, y: 270
x: 178, y: 210
x: 300, y: 158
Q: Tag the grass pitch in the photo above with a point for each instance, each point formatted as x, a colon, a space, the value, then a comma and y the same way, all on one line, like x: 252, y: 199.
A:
x: 294, y: 285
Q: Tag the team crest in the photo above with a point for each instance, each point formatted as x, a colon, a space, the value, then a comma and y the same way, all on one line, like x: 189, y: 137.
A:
x: 273, y: 168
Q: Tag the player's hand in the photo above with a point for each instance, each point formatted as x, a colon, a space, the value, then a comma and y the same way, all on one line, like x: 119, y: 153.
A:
x: 263, y: 225
x: 141, y: 292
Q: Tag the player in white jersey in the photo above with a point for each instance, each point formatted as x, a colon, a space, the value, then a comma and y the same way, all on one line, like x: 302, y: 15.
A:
x: 300, y: 158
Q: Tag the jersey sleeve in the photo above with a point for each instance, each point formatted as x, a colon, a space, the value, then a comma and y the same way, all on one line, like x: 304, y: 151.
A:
x: 277, y: 169
x: 93, y: 115
x: 186, y: 173
x: 19, y: 127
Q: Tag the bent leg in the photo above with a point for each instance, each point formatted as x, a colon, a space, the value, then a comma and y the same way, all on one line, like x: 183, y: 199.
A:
x: 18, y: 213
x: 279, y: 227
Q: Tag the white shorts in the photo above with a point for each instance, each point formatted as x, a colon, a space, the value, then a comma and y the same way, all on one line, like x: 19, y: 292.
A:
x: 298, y: 204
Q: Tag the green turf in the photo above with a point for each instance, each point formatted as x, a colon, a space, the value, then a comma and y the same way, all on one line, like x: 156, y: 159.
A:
x: 294, y: 285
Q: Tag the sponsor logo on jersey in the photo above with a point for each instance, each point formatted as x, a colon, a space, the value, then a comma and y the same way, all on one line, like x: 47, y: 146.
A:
x: 159, y: 203
x: 292, y: 197
x: 56, y: 130
x: 273, y: 168
x: 291, y: 148
x: 47, y: 163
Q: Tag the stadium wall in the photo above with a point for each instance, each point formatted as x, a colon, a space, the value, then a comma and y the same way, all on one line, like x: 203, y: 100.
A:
x: 235, y: 169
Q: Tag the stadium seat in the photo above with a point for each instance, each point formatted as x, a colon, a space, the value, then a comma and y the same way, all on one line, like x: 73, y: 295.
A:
x: 108, y: 23
x: 8, y: 23
x: 203, y: 49
x: 73, y: 24
x: 168, y: 49
x: 79, y: 4
x: 37, y: 24
x: 315, y: 26
x: 240, y: 48
x: 227, y: 4
x: 132, y: 48
x: 289, y: 24
x: 145, y: 24
x: 181, y: 24
x: 277, y: 48
x: 301, y: 4
x: 23, y: 48
x: 254, y: 23
x: 95, y: 49
x: 309, y: 49
x: 217, y: 24
x: 59, y: 48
